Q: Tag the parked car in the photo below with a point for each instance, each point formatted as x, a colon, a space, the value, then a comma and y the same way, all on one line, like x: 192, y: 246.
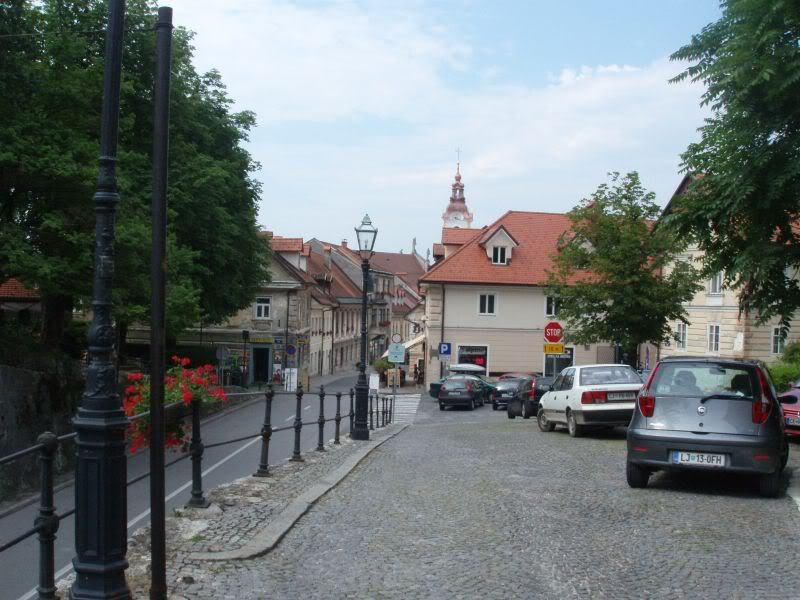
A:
x: 459, y: 369
x: 791, y: 412
x: 461, y: 390
x: 510, y: 391
x: 708, y: 414
x: 528, y: 406
x: 590, y: 395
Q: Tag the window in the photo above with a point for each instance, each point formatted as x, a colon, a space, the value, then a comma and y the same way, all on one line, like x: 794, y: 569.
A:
x: 778, y: 340
x: 715, y: 284
x: 550, y: 306
x: 263, y: 308
x: 681, y: 336
x: 499, y: 255
x: 713, y: 338
x: 486, y: 304
x: 568, y: 379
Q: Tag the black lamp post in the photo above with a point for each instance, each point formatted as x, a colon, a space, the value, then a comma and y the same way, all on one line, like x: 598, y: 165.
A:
x: 366, y: 235
x: 101, y: 531
x: 245, y: 362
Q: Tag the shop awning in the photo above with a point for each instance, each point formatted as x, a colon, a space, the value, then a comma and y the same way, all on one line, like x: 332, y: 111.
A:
x: 409, y: 344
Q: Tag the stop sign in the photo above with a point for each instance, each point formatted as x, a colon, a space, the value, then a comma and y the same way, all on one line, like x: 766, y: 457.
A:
x: 553, y: 332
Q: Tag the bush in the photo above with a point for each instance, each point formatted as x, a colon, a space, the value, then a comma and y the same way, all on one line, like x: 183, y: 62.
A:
x: 791, y: 354
x: 783, y: 374
x: 382, y: 365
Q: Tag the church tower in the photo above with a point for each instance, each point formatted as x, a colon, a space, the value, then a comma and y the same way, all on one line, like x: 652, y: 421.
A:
x: 457, y: 214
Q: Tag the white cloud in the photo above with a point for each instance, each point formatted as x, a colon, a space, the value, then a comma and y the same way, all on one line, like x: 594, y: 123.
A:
x: 339, y: 66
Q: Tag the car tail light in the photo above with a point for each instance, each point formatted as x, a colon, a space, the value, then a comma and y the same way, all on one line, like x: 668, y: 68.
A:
x: 647, y: 401
x: 469, y: 386
x: 762, y: 405
x: 647, y: 405
x: 532, y: 393
x: 593, y: 397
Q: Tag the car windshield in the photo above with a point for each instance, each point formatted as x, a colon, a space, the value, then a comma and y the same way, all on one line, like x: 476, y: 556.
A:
x: 508, y: 384
x: 609, y: 374
x: 456, y: 383
x: 702, y: 379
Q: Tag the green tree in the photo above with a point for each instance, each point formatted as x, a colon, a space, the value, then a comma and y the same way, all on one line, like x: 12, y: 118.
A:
x: 51, y: 90
x: 615, y: 275
x: 742, y: 208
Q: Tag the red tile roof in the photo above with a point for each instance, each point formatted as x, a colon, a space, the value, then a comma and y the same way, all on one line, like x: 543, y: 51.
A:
x: 438, y: 249
x: 12, y: 289
x: 341, y: 285
x: 282, y: 244
x: 458, y: 236
x: 537, y: 234
x: 405, y: 266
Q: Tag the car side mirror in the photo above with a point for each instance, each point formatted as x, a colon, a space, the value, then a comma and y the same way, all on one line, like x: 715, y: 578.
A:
x: 787, y: 399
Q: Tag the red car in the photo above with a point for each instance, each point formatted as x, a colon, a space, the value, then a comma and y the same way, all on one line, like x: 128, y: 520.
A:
x: 791, y: 412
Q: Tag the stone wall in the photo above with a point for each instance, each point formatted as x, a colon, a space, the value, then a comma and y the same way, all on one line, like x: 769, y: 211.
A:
x: 32, y: 402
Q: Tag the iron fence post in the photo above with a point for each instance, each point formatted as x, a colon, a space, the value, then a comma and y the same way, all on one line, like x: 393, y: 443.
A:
x: 383, y: 419
x: 338, y: 418
x: 196, y: 449
x: 47, y: 520
x: 101, y: 467
x: 352, y: 413
x: 391, y: 410
x: 370, y: 413
x: 298, y: 424
x: 266, y: 434
x: 321, y: 420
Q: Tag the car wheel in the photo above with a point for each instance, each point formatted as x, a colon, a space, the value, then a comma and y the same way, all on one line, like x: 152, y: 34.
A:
x: 573, y: 428
x: 494, y: 406
x: 441, y: 406
x: 472, y: 403
x: 510, y: 412
x: 769, y: 485
x: 526, y: 410
x: 543, y: 423
x: 636, y: 475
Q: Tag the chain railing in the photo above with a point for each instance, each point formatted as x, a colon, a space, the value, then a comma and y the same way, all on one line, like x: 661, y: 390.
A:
x: 47, y: 521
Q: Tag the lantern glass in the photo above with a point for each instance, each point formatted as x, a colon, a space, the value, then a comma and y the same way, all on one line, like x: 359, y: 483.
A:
x: 366, y: 234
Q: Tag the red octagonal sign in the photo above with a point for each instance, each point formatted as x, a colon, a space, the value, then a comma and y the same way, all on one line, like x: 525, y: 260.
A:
x: 553, y: 332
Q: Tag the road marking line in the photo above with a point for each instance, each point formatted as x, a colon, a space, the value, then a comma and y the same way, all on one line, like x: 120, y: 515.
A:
x: 66, y: 569
x: 287, y: 419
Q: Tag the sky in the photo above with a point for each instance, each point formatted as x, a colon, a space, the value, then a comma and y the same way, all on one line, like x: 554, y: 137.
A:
x: 361, y: 105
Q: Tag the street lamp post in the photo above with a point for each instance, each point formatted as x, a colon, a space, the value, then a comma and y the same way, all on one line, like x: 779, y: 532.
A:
x: 366, y: 234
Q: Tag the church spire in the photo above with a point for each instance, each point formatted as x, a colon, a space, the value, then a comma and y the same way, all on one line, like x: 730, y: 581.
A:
x: 457, y: 214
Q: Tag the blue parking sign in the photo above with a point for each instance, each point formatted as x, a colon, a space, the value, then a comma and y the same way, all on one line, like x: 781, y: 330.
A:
x: 445, y: 349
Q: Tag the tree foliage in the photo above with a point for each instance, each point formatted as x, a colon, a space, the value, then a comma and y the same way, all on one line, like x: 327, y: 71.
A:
x: 51, y: 72
x: 744, y: 206
x: 615, y: 276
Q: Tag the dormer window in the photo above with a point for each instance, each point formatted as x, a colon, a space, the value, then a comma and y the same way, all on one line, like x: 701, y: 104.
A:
x: 500, y: 255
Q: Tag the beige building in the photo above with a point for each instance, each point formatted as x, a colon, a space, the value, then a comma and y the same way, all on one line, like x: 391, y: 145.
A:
x: 485, y: 296
x: 715, y: 326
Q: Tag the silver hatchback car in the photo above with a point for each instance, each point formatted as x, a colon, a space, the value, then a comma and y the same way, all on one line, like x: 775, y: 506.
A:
x: 708, y: 413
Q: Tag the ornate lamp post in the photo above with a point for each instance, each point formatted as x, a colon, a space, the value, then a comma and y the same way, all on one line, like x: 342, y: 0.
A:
x: 366, y: 235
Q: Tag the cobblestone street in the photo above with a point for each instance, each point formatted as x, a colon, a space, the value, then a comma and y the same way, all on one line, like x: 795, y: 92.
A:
x: 473, y: 505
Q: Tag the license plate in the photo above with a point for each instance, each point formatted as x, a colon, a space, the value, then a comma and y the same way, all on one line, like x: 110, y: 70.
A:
x: 621, y: 395
x: 793, y: 420
x: 701, y: 459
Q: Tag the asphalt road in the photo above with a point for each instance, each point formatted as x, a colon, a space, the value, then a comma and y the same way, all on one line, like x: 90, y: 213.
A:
x: 19, y: 565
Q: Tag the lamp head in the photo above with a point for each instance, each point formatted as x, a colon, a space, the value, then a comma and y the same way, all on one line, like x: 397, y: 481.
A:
x: 366, y: 234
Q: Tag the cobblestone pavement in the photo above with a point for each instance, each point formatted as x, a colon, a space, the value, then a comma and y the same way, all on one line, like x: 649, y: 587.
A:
x: 470, y: 504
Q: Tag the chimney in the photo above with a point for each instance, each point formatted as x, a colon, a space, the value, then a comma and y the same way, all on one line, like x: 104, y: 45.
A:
x: 344, y: 243
x: 327, y: 250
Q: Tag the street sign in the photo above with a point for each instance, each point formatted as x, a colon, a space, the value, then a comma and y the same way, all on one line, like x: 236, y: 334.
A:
x: 374, y: 381
x: 553, y: 332
x: 396, y: 338
x: 445, y: 348
x: 397, y: 353
x: 554, y: 348
x: 290, y: 350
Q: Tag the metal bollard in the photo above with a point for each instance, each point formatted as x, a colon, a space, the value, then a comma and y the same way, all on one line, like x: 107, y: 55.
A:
x: 385, y: 404
x: 352, y: 412
x: 47, y: 522
x: 321, y: 420
x: 298, y: 424
x: 338, y: 418
x: 266, y: 434
x: 196, y: 449
x: 370, y: 413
